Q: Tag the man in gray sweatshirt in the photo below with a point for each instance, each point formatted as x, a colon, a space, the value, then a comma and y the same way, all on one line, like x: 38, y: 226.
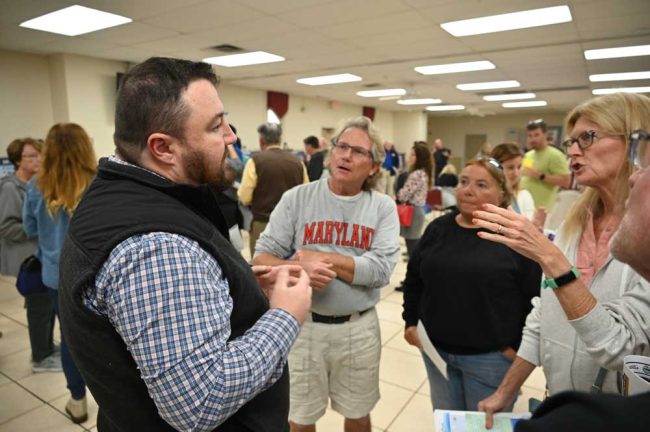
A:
x: 346, y: 237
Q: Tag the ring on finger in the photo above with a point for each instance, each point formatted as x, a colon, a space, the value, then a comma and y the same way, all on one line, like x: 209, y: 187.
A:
x: 499, y: 229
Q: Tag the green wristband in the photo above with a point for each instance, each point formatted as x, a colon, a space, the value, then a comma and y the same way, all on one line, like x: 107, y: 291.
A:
x: 561, y: 280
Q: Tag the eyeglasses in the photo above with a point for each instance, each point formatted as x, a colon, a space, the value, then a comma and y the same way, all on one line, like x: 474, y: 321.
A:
x: 635, y: 139
x: 356, y: 150
x: 585, y: 139
x: 30, y: 156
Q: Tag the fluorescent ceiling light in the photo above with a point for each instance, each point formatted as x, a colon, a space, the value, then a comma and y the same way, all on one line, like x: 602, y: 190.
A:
x: 605, y: 91
x: 419, y: 101
x: 455, y: 67
x: 446, y: 108
x: 385, y: 98
x: 509, y: 21
x: 511, y: 96
x: 75, y: 20
x: 524, y: 104
x: 380, y: 93
x: 329, y: 79
x: 620, y: 76
x: 488, y: 85
x: 251, y: 58
x: 605, y: 53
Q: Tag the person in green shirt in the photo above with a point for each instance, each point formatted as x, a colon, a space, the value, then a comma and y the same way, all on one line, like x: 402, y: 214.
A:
x: 545, y: 168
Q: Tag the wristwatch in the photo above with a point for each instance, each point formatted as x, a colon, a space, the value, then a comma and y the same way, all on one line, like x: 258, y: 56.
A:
x: 542, y: 176
x: 561, y: 280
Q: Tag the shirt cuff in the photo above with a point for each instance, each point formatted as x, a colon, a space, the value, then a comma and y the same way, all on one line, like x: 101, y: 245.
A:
x: 281, y: 327
x: 362, y: 271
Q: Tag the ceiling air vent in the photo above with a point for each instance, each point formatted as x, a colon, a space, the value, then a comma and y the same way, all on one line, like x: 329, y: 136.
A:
x: 227, y: 48
x: 371, y: 85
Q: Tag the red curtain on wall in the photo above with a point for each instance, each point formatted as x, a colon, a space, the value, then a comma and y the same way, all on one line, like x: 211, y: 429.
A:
x: 369, y: 112
x: 278, y: 102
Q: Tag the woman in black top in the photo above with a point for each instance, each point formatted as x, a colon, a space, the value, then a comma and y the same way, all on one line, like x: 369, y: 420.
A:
x: 471, y: 295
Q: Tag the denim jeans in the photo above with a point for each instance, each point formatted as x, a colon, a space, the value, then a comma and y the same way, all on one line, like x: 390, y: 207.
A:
x: 471, y: 378
x: 76, y: 383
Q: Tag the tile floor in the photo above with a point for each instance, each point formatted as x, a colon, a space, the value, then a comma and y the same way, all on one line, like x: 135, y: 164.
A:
x: 35, y: 402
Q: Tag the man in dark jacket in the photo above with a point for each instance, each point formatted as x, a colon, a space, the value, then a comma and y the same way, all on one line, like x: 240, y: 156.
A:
x: 165, y: 320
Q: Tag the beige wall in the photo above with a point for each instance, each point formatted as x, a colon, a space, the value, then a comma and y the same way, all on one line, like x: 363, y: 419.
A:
x: 409, y: 126
x: 38, y: 91
x: 91, y: 88
x: 25, y: 92
x: 498, y: 128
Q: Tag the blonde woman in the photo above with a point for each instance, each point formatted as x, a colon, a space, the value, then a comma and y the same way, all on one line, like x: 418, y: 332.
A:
x: 510, y: 156
x: 68, y: 166
x: 595, y: 309
x: 448, y: 177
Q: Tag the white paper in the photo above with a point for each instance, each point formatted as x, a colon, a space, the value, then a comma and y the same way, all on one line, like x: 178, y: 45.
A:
x: 474, y: 421
x: 636, y: 375
x: 431, y: 351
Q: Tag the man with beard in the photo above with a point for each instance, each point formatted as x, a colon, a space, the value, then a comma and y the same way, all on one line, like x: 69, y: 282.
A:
x: 166, y: 321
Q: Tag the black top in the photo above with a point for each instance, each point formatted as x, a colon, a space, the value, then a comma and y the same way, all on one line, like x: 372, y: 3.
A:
x: 315, y: 166
x: 121, y: 202
x: 582, y: 412
x: 472, y: 295
x: 440, y: 158
x: 447, y: 180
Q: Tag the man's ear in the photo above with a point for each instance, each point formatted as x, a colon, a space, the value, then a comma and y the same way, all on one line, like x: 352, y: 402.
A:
x: 375, y: 168
x: 162, y: 147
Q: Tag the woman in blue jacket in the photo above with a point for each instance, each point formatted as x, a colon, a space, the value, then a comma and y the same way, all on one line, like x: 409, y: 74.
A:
x: 68, y: 166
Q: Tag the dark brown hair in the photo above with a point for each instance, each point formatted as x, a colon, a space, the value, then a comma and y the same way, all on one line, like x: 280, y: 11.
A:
x: 150, y: 100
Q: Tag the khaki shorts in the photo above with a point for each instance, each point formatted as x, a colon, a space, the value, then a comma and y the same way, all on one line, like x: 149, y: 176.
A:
x: 338, y: 362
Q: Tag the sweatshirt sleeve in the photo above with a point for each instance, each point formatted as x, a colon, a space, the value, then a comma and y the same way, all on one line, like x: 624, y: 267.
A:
x: 374, y: 267
x: 11, y: 225
x: 413, y: 284
x: 278, y: 236
x: 620, y: 327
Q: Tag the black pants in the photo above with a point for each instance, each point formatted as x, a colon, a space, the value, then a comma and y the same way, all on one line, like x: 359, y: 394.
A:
x: 40, y: 323
x: 410, y: 245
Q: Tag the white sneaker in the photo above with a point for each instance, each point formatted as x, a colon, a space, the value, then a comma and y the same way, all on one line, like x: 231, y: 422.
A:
x: 77, y: 410
x: 48, y: 364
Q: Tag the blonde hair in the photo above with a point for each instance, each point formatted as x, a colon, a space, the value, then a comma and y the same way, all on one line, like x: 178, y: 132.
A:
x: 68, y: 166
x: 618, y: 113
x: 448, y: 169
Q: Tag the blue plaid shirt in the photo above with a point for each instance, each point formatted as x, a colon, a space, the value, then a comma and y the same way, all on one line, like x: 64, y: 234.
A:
x: 169, y: 301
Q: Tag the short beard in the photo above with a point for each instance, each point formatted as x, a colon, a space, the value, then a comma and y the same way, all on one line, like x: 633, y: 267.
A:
x: 199, y: 170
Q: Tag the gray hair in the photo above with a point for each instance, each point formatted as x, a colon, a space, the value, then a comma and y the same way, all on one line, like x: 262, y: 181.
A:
x: 271, y: 133
x: 365, y: 124
x: 377, y: 149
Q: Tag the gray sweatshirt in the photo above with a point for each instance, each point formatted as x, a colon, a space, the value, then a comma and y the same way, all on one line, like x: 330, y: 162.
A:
x: 572, y: 352
x: 364, y: 226
x: 14, y: 244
